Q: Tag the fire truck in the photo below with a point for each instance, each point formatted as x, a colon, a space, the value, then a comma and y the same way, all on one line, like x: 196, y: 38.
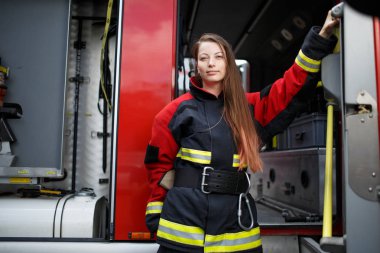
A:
x: 80, y: 84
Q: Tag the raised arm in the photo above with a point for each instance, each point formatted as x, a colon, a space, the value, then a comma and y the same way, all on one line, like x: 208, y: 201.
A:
x: 277, y: 104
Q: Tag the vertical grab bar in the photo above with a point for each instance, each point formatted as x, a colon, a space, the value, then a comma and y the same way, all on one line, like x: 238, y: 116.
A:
x: 336, y: 11
x: 327, y: 207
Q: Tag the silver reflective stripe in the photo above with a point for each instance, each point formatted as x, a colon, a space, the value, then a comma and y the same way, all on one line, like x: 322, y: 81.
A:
x: 307, y: 63
x: 180, y: 233
x: 233, y: 242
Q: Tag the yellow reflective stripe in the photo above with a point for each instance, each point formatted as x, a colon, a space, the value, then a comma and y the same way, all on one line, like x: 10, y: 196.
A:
x: 196, y: 160
x: 241, y: 247
x: 309, y: 60
x: 180, y: 227
x: 156, y: 203
x: 196, y: 156
x: 197, y: 152
x: 179, y: 239
x: 154, y: 207
x: 230, y: 242
x: 176, y: 232
x: 236, y: 161
x: 233, y: 236
x: 307, y: 63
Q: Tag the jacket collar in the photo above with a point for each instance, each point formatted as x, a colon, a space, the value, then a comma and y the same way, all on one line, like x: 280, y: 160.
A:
x: 198, y: 92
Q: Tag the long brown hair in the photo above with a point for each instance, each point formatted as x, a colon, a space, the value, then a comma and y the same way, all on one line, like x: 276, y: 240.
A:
x: 236, y: 109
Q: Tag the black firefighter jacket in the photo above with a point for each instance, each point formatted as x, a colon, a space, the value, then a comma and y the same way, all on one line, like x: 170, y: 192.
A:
x: 191, y: 133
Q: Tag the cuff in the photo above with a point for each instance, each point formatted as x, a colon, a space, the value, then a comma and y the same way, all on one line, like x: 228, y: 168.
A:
x: 152, y: 215
x: 315, y: 46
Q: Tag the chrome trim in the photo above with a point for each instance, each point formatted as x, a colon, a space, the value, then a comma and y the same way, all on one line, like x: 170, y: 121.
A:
x: 204, y: 174
x: 115, y: 117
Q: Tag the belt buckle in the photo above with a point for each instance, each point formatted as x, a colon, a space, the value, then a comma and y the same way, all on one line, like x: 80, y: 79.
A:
x: 204, y: 174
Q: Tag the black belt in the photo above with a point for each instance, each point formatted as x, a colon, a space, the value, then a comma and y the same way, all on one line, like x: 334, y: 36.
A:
x: 210, y: 180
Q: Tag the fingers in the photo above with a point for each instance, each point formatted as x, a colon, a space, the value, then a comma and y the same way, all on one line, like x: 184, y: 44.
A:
x: 329, y: 25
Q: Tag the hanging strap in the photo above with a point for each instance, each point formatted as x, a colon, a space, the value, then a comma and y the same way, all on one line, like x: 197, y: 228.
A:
x: 104, y: 40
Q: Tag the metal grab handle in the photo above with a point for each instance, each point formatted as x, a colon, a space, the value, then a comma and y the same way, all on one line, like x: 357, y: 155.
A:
x: 337, y: 10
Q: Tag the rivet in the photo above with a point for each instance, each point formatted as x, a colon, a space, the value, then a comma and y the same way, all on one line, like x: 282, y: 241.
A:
x: 370, y: 189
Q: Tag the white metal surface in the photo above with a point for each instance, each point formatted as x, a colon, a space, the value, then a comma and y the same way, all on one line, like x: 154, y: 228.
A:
x: 48, y: 217
x: 89, y: 170
x: 27, y: 217
x: 79, y: 218
x: 271, y: 244
x: 76, y: 247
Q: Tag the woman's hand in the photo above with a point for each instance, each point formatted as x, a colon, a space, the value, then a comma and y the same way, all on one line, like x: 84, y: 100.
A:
x: 329, y: 25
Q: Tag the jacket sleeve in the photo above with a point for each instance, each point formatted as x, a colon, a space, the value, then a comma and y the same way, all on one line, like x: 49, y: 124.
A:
x: 159, y: 159
x: 276, y: 106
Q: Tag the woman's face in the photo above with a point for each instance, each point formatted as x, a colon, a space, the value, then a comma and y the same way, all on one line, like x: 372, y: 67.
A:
x: 211, y: 63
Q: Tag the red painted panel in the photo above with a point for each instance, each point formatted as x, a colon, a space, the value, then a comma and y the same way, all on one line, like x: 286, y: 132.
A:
x: 376, y: 30
x: 146, y: 83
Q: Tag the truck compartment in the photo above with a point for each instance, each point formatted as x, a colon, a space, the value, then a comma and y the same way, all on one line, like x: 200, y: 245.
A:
x: 266, y: 36
x: 64, y: 141
x: 54, y: 175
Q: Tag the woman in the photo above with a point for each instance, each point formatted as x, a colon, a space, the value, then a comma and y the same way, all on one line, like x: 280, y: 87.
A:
x: 208, y: 137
